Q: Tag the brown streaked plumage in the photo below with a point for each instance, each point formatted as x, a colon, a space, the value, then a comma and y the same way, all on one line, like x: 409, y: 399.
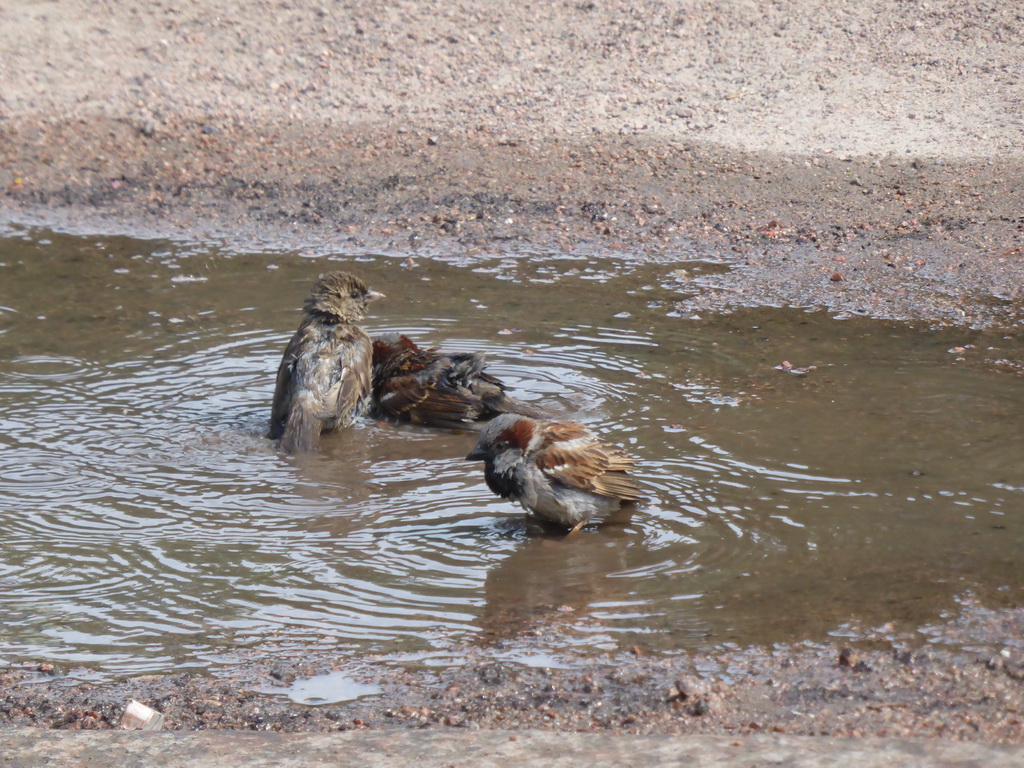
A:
x: 324, y: 378
x: 558, y: 470
x: 572, y: 455
x: 426, y: 386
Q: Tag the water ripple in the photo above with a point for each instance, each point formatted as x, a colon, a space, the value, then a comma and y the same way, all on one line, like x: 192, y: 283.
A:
x: 149, y: 525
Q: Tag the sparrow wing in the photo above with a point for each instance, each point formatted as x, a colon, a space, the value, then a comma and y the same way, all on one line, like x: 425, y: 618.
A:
x: 282, y: 402
x: 421, y: 385
x: 424, y: 403
x: 397, y: 395
x: 351, y: 379
x: 426, y: 386
x: 574, y: 457
x: 398, y: 385
x: 466, y: 375
x: 446, y: 408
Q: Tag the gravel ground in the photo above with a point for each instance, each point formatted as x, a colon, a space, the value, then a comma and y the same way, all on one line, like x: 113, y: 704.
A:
x: 865, y: 156
x: 842, y: 693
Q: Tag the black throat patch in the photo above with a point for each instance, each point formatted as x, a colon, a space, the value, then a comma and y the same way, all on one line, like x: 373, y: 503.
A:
x: 502, y: 483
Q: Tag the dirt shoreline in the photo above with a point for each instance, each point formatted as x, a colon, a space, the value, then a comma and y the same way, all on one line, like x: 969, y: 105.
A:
x: 866, y: 158
x: 917, y: 240
x: 842, y: 692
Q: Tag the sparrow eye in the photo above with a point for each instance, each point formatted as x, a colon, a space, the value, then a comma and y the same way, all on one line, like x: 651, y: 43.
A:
x: 354, y: 295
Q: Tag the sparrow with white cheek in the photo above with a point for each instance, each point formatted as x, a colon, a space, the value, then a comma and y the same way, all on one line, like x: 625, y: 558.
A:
x: 429, y: 387
x: 558, y: 470
x: 323, y: 381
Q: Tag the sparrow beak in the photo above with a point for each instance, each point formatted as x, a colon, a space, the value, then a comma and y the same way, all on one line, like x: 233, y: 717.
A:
x: 373, y: 295
x: 477, y: 454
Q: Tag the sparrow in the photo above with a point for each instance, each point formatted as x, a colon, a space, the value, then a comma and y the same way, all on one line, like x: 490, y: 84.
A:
x: 323, y: 381
x: 437, y: 389
x: 558, y: 470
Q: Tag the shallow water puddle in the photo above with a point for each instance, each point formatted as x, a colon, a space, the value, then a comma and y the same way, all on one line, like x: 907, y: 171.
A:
x: 148, y: 525
x: 328, y: 688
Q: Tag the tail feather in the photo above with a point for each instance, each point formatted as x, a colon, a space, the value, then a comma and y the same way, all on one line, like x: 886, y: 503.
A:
x: 302, y: 430
x: 502, y: 403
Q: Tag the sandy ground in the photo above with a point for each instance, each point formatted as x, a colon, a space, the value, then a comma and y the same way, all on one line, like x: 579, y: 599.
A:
x: 861, y: 155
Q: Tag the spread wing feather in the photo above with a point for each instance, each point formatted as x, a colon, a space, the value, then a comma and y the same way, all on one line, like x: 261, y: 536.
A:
x: 426, y: 386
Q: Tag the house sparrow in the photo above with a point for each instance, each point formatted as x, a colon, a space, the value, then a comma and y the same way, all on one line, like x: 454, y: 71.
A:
x: 558, y: 470
x: 429, y: 387
x: 324, y: 379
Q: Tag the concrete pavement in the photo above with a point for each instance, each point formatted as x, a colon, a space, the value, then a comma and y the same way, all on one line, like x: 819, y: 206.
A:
x: 30, y: 748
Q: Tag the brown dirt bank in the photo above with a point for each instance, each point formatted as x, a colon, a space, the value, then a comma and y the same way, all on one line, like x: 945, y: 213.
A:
x: 940, y: 242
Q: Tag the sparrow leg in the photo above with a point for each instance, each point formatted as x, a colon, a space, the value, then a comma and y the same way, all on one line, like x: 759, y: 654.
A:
x: 576, y: 528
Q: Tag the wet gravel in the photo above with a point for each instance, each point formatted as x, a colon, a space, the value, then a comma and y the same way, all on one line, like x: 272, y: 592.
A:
x: 835, y: 692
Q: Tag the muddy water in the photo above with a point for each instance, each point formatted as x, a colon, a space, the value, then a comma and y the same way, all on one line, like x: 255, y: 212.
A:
x: 146, y: 524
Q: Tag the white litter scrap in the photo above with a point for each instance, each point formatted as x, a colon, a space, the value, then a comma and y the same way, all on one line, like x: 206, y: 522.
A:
x: 137, y: 716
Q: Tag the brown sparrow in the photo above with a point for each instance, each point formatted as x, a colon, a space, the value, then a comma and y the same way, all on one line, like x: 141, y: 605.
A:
x: 558, y: 470
x: 429, y: 387
x: 324, y: 379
